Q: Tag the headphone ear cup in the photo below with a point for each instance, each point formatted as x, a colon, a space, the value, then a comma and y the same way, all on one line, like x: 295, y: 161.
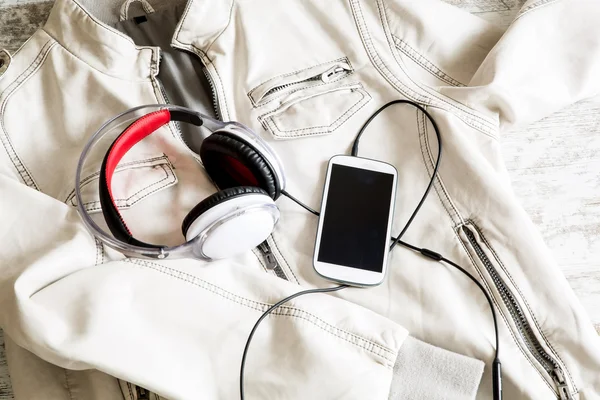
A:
x: 236, y: 219
x: 214, y: 200
x: 231, y: 162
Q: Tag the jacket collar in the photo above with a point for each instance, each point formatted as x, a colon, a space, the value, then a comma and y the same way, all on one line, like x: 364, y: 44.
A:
x: 99, y: 45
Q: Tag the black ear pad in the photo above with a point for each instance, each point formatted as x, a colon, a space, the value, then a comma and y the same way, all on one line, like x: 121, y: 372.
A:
x: 230, y: 162
x: 217, y: 198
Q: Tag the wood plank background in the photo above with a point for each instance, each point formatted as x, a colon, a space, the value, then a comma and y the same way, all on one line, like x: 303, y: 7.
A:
x: 554, y: 164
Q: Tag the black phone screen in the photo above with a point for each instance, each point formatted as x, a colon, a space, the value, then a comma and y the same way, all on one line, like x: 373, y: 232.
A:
x: 354, y: 231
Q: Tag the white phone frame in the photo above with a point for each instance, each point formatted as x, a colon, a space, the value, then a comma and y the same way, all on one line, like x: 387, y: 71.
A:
x: 341, y: 273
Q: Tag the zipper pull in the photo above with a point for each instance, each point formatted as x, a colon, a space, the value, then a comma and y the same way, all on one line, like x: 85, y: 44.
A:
x: 269, y: 256
x: 563, y: 388
x: 141, y: 393
x: 327, y: 75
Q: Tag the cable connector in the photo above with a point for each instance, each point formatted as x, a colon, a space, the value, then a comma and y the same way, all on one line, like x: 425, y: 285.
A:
x: 431, y: 254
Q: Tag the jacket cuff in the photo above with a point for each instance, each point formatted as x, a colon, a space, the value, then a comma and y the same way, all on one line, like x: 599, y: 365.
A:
x: 423, y: 371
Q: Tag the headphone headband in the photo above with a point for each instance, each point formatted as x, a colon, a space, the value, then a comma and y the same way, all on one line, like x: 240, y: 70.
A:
x: 135, y: 133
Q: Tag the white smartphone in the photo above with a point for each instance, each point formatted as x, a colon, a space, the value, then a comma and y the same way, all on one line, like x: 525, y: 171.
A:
x: 353, y: 236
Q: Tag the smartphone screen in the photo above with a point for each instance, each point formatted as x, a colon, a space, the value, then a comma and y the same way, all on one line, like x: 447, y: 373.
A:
x: 354, y: 231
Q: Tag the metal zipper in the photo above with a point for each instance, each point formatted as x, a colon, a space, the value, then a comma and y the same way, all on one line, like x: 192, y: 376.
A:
x: 523, y: 326
x: 271, y: 260
x: 162, y: 91
x: 325, y: 77
x: 213, y: 92
x: 166, y: 100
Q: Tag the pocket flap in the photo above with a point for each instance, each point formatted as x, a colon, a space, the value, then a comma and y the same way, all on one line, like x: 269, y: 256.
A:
x: 132, y: 182
x: 316, y: 113
x: 285, y: 84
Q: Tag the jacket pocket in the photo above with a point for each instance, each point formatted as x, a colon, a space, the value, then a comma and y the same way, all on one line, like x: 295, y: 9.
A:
x: 315, y: 113
x: 132, y: 182
x: 317, y: 75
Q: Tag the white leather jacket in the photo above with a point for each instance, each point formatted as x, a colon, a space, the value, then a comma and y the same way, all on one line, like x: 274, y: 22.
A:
x: 178, y: 327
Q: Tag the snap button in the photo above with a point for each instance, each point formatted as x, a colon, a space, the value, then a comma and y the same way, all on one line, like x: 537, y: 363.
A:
x: 4, y: 61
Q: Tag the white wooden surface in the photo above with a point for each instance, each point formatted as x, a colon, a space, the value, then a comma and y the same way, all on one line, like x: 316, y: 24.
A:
x: 554, y: 165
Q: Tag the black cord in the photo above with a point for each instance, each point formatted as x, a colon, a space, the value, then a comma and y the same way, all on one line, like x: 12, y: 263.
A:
x: 301, y: 204
x: 269, y: 311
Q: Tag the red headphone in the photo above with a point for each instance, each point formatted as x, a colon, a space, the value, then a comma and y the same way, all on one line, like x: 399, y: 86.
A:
x: 235, y: 219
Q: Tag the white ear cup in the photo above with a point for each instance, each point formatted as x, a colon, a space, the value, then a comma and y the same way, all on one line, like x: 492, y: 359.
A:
x: 234, y: 226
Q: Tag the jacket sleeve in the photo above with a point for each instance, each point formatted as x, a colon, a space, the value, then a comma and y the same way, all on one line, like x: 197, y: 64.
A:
x: 177, y: 327
x: 548, y: 59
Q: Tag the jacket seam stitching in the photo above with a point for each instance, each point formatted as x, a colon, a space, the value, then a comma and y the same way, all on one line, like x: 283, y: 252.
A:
x: 224, y: 29
x: 428, y: 160
x: 96, y: 69
x: 279, y: 110
x: 167, y: 184
x: 33, y: 68
x: 426, y: 151
x: 68, y: 385
x: 488, y: 245
x: 183, y: 18
x: 168, y: 174
x: 396, y: 83
x: 424, y: 62
x: 233, y: 297
x: 383, y: 17
x: 499, y: 309
x: 130, y: 389
x: 359, y: 341
x: 122, y: 166
x: 97, y: 252
x: 97, y: 22
x: 477, y: 121
x: 356, y: 107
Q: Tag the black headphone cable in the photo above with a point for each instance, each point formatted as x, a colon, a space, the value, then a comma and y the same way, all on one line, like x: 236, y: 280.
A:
x: 432, y: 255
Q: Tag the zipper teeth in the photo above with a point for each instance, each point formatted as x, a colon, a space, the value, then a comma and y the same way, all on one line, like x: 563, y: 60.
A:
x: 279, y: 272
x: 162, y: 90
x: 515, y: 310
x: 287, y: 85
x: 278, y: 269
x: 266, y: 249
x: 319, y: 77
x: 213, y: 93
x: 167, y: 101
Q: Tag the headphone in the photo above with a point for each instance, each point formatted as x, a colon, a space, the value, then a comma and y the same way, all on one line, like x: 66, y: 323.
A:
x: 237, y: 218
